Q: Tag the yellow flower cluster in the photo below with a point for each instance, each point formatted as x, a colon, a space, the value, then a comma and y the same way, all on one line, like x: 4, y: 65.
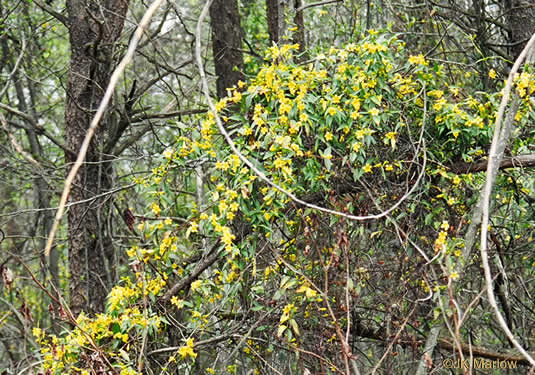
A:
x: 284, y: 51
x: 525, y: 83
x: 187, y: 350
x: 440, y: 242
x: 62, y: 354
x: 120, y: 296
x: 418, y: 60
x: 406, y: 85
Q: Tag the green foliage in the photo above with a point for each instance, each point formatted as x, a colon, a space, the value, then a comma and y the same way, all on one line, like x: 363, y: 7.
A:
x: 345, y: 130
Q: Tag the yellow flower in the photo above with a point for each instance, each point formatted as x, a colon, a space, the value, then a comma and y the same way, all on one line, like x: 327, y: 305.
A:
x: 187, y: 350
x: 355, y: 115
x: 155, y: 209
x: 222, y: 165
x: 177, y: 302
x: 247, y: 131
x: 367, y: 168
x: 439, y: 104
x: 310, y: 293
x: 418, y: 60
x: 37, y: 332
x: 442, y: 237
x: 436, y: 93
x: 374, y: 112
x: 332, y: 111
x: 195, y: 285
x: 168, y: 153
x: 492, y: 73
x: 328, y: 136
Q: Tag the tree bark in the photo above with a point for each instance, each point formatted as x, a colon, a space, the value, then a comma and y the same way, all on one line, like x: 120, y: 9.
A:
x: 94, y: 29
x: 227, y: 43
x: 299, y: 35
x: 521, y: 24
x: 275, y: 19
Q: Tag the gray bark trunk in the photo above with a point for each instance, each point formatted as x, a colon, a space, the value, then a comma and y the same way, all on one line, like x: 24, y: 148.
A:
x: 227, y: 44
x: 94, y: 30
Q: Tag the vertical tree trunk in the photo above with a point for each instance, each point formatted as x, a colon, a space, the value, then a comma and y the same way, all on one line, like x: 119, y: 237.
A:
x: 94, y: 28
x: 299, y: 35
x: 521, y: 24
x: 275, y: 19
x: 227, y: 43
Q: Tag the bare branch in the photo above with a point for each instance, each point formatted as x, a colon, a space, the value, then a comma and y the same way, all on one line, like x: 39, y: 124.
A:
x: 15, y: 68
x: 16, y: 145
x: 172, y: 114
x: 319, y: 3
x: 70, y: 204
x: 36, y: 127
x: 519, y: 161
x: 199, y: 268
x: 60, y: 17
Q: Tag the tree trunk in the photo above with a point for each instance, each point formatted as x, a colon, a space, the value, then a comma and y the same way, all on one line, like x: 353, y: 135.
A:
x: 227, y: 43
x: 94, y: 29
x: 521, y: 24
x: 275, y: 19
x: 299, y: 34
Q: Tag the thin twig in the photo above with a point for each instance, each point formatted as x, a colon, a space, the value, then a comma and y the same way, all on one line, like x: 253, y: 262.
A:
x: 16, y: 145
x: 15, y: 68
x: 393, y: 341
x: 34, y: 210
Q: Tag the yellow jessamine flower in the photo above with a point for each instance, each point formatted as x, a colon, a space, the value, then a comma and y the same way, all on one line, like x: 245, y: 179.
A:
x: 195, y: 285
x: 418, y: 60
x: 155, y: 209
x: 187, y: 350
